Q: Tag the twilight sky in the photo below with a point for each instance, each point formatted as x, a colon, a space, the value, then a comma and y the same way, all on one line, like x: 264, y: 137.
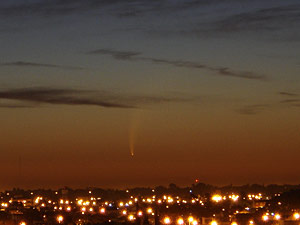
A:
x: 206, y: 89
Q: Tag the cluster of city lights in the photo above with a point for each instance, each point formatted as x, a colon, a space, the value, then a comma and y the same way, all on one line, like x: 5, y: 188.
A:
x: 218, y: 198
x: 180, y: 221
x: 127, y: 209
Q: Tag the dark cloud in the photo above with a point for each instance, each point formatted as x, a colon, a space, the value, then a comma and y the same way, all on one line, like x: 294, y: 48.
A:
x: 136, y: 56
x: 32, y: 64
x: 252, y: 109
x: 121, y: 55
x: 58, y: 96
x: 34, y: 97
x: 122, y: 8
x: 273, y: 18
x: 290, y: 101
x: 287, y: 93
x: 197, y: 17
x: 15, y: 106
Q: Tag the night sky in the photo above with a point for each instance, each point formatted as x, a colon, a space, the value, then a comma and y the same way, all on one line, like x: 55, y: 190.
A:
x: 124, y: 93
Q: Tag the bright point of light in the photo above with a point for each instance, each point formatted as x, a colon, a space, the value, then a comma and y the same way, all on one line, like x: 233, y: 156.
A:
x: 296, y: 216
x: 124, y: 212
x: 149, y: 210
x: 195, y: 222
x: 167, y: 220
x: 140, y: 213
x: 265, y: 218
x: 130, y: 217
x: 180, y: 221
x: 102, y: 210
x: 60, y: 219
x: 277, y: 216
x: 251, y: 222
x: 22, y: 223
x: 213, y: 222
x: 216, y: 198
x: 234, y: 223
x: 191, y: 219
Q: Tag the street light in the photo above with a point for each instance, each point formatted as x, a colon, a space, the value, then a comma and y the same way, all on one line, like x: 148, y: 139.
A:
x: 60, y: 219
x: 180, y: 221
x: 167, y: 220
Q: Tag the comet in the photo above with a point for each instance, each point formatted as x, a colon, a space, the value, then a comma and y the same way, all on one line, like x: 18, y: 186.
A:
x: 133, y: 131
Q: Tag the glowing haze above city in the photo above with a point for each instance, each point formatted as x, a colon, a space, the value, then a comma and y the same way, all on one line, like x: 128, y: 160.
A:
x: 131, y: 93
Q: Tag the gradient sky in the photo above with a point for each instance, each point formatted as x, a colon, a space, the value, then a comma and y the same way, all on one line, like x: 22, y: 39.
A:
x: 206, y: 89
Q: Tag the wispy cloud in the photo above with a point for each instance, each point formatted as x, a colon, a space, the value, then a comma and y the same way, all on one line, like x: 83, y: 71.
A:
x: 33, y: 64
x: 252, y: 109
x: 272, y: 18
x: 58, y: 97
x: 38, y: 96
x: 199, y: 17
x: 121, y: 55
x: 122, y: 7
x: 15, y: 106
x: 137, y: 56
x: 287, y: 93
x: 290, y: 101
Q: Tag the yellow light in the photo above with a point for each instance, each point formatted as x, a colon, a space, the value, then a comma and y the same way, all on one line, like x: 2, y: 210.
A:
x: 234, y: 223
x: 102, y: 210
x: 167, y: 220
x: 265, y: 218
x: 191, y: 219
x: 22, y: 223
x: 121, y: 204
x: 124, y: 212
x: 130, y: 217
x: 296, y: 216
x: 60, y: 219
x: 213, y: 222
x: 140, y: 213
x: 83, y: 209
x: 216, y: 198
x: 251, y: 222
x: 91, y: 209
x: 195, y: 222
x: 68, y: 208
x: 277, y: 216
x: 149, y: 210
x: 180, y: 221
